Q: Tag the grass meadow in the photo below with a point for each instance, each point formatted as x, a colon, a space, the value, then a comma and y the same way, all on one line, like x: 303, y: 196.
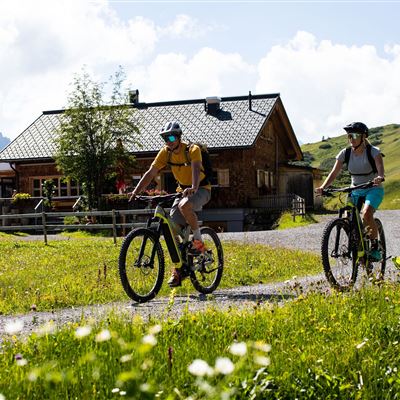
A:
x: 317, y: 346
x: 84, y: 270
x: 335, y: 346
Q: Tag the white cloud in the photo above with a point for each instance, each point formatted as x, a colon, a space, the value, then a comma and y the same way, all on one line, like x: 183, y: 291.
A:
x: 325, y: 85
x: 208, y: 73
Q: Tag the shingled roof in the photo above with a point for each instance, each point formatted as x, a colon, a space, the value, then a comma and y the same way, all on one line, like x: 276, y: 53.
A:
x: 234, y: 126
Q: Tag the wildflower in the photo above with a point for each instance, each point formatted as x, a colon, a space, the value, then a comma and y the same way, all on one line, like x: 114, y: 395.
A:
x: 103, y: 336
x: 238, y: 349
x: 115, y: 390
x: 144, y: 387
x: 2, y: 397
x: 149, y: 339
x: 125, y: 358
x: 266, y: 348
x: 82, y: 331
x: 20, y: 360
x: 200, y: 368
x: 155, y: 329
x: 15, y: 326
x: 122, y: 393
x: 261, y: 360
x: 224, y: 365
x: 47, y: 329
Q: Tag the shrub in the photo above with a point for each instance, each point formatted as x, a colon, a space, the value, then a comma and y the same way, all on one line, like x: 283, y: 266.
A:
x: 325, y: 146
x: 20, y: 198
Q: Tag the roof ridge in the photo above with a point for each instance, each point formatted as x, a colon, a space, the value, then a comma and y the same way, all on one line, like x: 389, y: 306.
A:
x: 185, y: 102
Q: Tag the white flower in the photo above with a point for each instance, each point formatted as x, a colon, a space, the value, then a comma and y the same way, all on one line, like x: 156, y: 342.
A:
x: 2, y: 397
x: 149, y: 339
x: 47, y: 329
x: 21, y: 362
x: 155, y: 329
x: 262, y: 346
x: 115, y: 390
x: 200, y: 368
x: 13, y: 327
x: 122, y: 393
x: 144, y: 387
x: 103, y: 336
x: 125, y: 358
x: 224, y: 365
x: 261, y: 360
x: 238, y: 349
x: 83, y: 331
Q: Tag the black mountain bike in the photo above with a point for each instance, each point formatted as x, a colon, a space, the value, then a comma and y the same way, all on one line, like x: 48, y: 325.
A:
x: 346, y: 245
x: 141, y: 260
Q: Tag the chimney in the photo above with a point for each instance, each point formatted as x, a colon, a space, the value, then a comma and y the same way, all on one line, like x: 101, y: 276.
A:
x: 212, y: 105
x: 250, y: 109
x: 133, y: 96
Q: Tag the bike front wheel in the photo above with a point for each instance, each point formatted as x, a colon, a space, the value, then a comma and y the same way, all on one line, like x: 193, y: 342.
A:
x: 377, y: 268
x: 339, y: 254
x: 206, y: 269
x: 141, y: 265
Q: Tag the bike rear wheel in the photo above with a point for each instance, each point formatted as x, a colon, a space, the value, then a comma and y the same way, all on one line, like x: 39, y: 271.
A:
x: 339, y: 254
x: 378, y: 268
x: 206, y: 269
x: 141, y: 277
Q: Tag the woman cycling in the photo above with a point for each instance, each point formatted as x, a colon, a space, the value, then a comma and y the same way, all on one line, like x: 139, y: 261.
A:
x: 364, y: 163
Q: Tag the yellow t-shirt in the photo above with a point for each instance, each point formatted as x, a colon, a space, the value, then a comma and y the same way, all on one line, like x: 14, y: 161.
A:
x: 183, y: 174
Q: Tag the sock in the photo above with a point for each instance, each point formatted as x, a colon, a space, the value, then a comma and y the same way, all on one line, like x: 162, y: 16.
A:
x: 197, y: 235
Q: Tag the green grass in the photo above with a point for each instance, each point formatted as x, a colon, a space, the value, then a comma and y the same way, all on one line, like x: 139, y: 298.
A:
x: 390, y: 147
x: 286, y: 220
x: 84, y: 270
x: 335, y: 346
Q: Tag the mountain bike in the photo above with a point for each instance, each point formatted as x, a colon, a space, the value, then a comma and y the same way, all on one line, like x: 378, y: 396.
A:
x: 346, y: 245
x: 141, y: 261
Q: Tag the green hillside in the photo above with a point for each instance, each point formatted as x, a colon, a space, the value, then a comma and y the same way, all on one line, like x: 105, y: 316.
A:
x: 387, y: 138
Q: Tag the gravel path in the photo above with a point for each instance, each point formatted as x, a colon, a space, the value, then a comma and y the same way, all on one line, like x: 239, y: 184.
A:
x: 304, y: 238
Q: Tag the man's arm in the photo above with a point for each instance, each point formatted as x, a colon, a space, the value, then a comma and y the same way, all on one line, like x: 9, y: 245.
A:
x: 196, y: 168
x: 149, y: 175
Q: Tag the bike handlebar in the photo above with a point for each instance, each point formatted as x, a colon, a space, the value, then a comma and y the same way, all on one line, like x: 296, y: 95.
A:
x: 159, y: 199
x: 348, y: 189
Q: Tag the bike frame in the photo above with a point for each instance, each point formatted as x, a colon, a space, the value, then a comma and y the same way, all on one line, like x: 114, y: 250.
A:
x: 355, y: 223
x: 163, y: 227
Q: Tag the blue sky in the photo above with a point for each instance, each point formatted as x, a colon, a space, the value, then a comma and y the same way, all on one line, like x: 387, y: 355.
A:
x: 333, y: 62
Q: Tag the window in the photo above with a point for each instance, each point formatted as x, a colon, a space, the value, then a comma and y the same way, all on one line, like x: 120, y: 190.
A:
x: 63, y: 187
x: 223, y: 177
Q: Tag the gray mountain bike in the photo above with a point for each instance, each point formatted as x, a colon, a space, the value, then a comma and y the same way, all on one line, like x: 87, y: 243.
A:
x: 346, y: 245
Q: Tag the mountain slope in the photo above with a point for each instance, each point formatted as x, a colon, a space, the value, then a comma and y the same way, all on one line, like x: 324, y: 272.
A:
x: 387, y: 138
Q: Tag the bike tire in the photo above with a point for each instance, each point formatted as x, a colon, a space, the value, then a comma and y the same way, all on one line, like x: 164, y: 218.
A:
x: 210, y: 265
x: 340, y: 269
x: 380, y: 266
x: 141, y: 283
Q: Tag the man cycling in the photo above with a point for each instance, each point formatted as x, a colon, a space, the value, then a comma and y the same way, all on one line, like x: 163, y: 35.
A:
x: 195, y: 187
x: 361, y: 171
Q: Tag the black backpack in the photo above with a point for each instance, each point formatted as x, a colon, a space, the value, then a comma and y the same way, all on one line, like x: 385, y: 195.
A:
x: 369, y: 155
x: 205, y: 159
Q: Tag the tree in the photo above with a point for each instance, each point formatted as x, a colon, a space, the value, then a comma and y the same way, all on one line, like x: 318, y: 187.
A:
x: 90, y: 129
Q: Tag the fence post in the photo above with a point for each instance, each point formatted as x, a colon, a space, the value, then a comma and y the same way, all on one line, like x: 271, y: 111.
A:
x: 114, y: 226
x: 44, y: 227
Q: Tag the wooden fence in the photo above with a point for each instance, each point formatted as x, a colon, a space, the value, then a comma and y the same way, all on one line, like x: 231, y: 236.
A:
x: 43, y: 221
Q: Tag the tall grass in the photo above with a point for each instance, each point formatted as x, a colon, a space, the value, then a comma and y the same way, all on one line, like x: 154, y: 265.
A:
x: 336, y: 346
x: 84, y: 270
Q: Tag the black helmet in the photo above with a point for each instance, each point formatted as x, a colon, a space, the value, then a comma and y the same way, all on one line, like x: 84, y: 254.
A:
x: 171, y: 128
x: 356, y: 127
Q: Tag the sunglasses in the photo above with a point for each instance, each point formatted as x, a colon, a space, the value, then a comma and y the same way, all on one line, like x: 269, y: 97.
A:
x: 354, y: 136
x: 170, y: 138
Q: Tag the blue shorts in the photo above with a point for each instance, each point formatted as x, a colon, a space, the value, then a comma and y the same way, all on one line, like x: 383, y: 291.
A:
x: 373, y: 196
